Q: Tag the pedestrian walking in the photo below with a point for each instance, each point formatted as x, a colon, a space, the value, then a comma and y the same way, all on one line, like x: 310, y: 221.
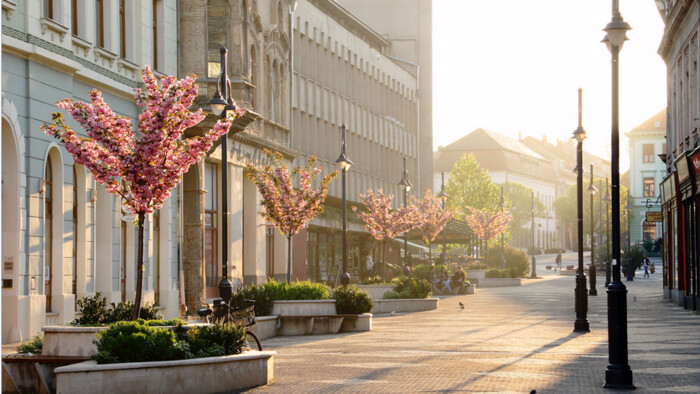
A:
x: 557, y: 260
x: 646, y: 266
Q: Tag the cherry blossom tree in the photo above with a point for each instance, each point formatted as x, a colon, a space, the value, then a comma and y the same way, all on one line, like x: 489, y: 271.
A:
x: 381, y: 221
x: 143, y: 166
x: 286, y: 207
x: 487, y: 224
x: 431, y: 217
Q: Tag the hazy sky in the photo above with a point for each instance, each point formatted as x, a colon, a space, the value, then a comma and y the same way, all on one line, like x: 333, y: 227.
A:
x: 514, y: 66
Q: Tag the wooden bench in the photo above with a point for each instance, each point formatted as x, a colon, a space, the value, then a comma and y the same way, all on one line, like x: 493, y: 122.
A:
x: 33, y: 373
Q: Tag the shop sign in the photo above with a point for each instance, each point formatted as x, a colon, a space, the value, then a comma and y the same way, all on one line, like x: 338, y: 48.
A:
x: 654, y: 217
x: 695, y: 162
x: 682, y: 168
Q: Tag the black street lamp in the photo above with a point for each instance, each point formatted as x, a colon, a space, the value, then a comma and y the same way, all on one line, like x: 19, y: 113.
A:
x: 581, y: 323
x: 533, y: 259
x: 223, y: 105
x: 591, y: 276
x: 406, y: 186
x: 443, y: 197
x: 618, y: 374
x: 344, y: 163
x: 502, y: 205
x: 607, y: 235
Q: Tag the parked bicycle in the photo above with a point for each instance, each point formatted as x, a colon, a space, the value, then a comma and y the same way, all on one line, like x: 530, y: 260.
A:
x: 243, y: 316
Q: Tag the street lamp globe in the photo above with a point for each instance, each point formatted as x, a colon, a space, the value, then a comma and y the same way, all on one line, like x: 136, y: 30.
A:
x: 405, y: 184
x: 344, y: 162
x: 579, y: 135
x: 217, y: 103
x: 592, y: 190
x: 617, y: 31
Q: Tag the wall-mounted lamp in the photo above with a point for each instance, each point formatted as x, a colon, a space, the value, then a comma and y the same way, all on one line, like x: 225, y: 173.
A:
x: 42, y: 185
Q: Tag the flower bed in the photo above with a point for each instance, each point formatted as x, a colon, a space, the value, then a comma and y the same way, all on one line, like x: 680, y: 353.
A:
x: 198, y: 375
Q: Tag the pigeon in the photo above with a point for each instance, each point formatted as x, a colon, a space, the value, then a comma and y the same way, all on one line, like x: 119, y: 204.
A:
x: 533, y: 392
x: 461, y: 306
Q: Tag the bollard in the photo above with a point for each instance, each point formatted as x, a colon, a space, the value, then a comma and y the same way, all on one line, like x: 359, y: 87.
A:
x: 630, y: 272
x: 591, y: 278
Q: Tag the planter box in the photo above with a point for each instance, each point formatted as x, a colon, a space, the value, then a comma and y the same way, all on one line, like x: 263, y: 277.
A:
x: 476, y: 274
x: 326, y: 325
x: 265, y: 327
x: 70, y: 341
x: 568, y: 272
x: 470, y: 289
x: 199, y: 375
x: 362, y: 322
x: 404, y: 305
x: 376, y: 292
x: 303, y: 307
x: 499, y: 282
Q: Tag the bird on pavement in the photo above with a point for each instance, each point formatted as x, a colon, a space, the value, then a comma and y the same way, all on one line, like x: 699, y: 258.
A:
x: 461, y: 306
x: 533, y: 392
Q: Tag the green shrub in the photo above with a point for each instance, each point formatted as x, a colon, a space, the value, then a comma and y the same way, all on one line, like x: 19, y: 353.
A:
x: 477, y: 264
x: 493, y: 273
x: 392, y: 295
x: 216, y: 340
x: 124, y: 310
x: 410, y: 287
x: 372, y: 280
x: 516, y: 260
x: 534, y: 250
x: 637, y: 254
x: 33, y: 345
x: 263, y: 296
x: 305, y: 290
x: 93, y: 309
x: 351, y: 300
x: 133, y: 341
x: 422, y: 271
x: 161, y: 323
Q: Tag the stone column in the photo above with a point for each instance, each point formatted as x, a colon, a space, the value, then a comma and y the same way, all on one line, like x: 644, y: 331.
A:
x: 193, y: 236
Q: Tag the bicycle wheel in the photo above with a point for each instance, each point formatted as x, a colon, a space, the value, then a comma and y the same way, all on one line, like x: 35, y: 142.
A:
x: 252, y: 342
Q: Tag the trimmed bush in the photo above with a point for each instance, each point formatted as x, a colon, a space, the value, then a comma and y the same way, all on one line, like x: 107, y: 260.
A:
x: 305, y: 290
x: 34, y: 345
x: 95, y: 311
x: 409, y: 287
x: 372, y: 280
x: 421, y: 271
x: 493, y: 273
x: 517, y: 261
x: 133, y: 341
x: 351, y: 300
x: 263, y: 296
x: 534, y: 250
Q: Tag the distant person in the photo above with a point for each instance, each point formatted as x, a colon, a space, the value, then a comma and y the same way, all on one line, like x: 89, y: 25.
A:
x: 557, y: 260
x: 434, y: 279
x: 369, y: 264
x: 646, y: 266
x: 458, y: 280
x: 445, y: 278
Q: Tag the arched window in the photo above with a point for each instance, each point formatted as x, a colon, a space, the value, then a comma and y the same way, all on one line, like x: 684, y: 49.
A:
x: 48, y: 232
x: 274, y: 91
x: 268, y: 87
x: 217, y: 34
x: 282, y: 96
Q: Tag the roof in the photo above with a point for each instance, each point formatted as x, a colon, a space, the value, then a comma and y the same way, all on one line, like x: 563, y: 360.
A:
x: 481, y: 139
x: 655, y: 123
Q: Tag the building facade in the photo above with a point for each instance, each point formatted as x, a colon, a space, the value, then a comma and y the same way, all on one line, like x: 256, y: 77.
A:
x: 679, y: 189
x: 63, y: 236
x: 646, y: 142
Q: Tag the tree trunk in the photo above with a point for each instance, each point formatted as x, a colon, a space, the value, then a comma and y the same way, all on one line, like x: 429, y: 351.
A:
x: 384, y: 261
x: 430, y: 251
x: 139, y: 268
x: 289, y: 258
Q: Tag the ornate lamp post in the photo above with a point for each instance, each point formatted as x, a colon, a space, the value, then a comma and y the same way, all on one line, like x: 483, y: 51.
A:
x: 618, y: 374
x: 533, y: 259
x: 406, y: 186
x: 581, y: 323
x: 591, y: 272
x: 502, y: 205
x: 344, y: 163
x: 443, y: 197
x: 222, y: 105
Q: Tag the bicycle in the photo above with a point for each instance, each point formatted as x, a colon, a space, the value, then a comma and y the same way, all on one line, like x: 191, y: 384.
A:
x: 243, y: 316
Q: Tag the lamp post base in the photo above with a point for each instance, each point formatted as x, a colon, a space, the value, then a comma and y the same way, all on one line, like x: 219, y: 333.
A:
x: 618, y: 374
x: 345, y: 279
x: 618, y: 377
x: 581, y: 323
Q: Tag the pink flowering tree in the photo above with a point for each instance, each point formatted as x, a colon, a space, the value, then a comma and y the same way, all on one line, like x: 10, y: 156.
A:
x: 286, y: 207
x: 487, y: 224
x: 141, y: 167
x: 381, y: 221
x: 431, y: 217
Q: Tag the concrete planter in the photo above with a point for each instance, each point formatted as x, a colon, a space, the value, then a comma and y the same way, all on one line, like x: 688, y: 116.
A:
x: 303, y: 307
x: 199, y: 375
x: 404, y: 305
x: 469, y: 289
x: 361, y: 322
x: 499, y: 282
x: 70, y: 341
x: 476, y: 274
x: 265, y: 327
x: 376, y: 292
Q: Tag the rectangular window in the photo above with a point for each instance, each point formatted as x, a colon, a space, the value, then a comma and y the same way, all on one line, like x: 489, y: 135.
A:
x: 48, y: 9
x: 74, y: 16
x: 648, y: 187
x: 99, y: 24
x: 648, y: 153
x: 155, y: 35
x: 122, y: 29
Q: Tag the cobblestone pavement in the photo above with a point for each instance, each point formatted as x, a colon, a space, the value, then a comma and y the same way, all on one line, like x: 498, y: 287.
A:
x: 510, y: 339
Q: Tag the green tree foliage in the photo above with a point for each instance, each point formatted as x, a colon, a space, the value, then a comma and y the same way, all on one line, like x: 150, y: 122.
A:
x: 566, y: 209
x: 518, y: 200
x: 470, y: 186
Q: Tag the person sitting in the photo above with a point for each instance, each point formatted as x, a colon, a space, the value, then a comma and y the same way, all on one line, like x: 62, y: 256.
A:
x: 457, y: 281
x: 435, y: 280
x: 445, y: 279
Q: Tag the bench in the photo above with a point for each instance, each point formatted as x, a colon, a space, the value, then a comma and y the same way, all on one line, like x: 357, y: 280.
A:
x: 318, y: 324
x: 33, y: 373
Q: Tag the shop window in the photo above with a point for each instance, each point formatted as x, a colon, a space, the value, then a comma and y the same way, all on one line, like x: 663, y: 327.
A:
x: 649, y: 231
x: 99, y: 24
x: 648, y: 187
x: 217, y: 34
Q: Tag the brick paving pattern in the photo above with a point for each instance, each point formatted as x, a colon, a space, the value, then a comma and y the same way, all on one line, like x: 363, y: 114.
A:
x: 510, y: 339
